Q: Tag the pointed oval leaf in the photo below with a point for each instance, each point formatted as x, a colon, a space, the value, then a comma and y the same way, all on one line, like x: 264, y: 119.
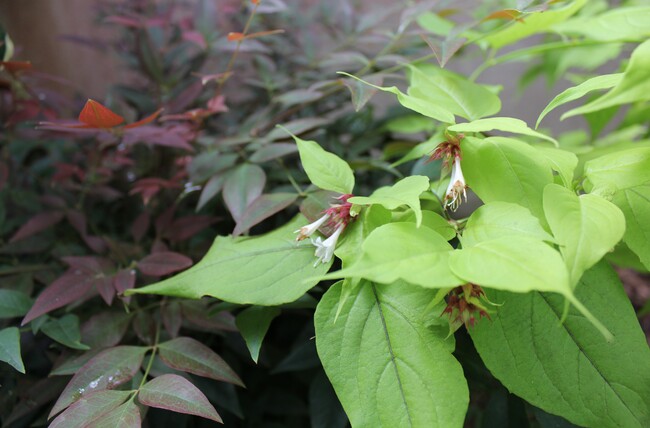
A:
x: 96, y: 115
x: 13, y: 303
x: 163, y: 263
x: 503, y: 124
x: 407, y: 192
x: 586, y: 227
x: 65, y: 330
x: 68, y: 288
x: 265, y: 270
x: 605, y: 81
x: 37, y: 224
x: 514, y: 263
x: 89, y: 408
x: 172, y: 392
x: 565, y: 367
x: 619, y: 170
x: 189, y: 355
x: 325, y: 169
x: 503, y: 169
x: 389, y: 365
x: 106, y: 370
x: 253, y: 323
x: 635, y: 204
x: 242, y: 187
x: 262, y: 208
x: 499, y: 220
x: 403, y: 251
x: 633, y: 87
x: 10, y: 348
x: 126, y: 415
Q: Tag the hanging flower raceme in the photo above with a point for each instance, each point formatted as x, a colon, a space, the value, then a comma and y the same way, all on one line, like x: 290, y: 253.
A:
x: 337, y: 216
x: 450, y: 153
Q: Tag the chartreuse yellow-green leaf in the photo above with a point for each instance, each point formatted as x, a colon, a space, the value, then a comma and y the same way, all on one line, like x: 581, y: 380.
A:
x: 519, y: 264
x: 504, y: 124
x: 500, y: 220
x: 407, y: 192
x: 635, y: 204
x: 324, y: 169
x: 567, y: 368
x: 507, y: 170
x: 403, y: 251
x: 586, y: 227
x: 389, y: 359
x: 266, y: 270
x: 414, y: 102
x: 633, y: 87
x: 619, y: 170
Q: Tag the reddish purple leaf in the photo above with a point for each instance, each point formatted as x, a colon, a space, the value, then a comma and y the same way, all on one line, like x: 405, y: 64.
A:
x: 124, y: 280
x: 189, y: 355
x: 90, y: 408
x: 105, y: 288
x: 262, y: 208
x: 164, y: 220
x: 37, y: 224
x: 71, y: 286
x: 188, y: 226
x: 78, y: 221
x: 159, y: 246
x: 198, y: 314
x: 125, y: 416
x: 90, y: 264
x: 172, y: 318
x: 176, y: 136
x: 105, y: 329
x: 242, y: 187
x: 106, y: 370
x: 172, y: 392
x: 164, y: 263
x: 140, y: 226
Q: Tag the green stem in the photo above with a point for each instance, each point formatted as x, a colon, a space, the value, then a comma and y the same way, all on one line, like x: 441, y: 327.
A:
x: 154, y: 348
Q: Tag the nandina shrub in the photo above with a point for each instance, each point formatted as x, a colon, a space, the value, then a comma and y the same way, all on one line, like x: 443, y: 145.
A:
x: 293, y: 212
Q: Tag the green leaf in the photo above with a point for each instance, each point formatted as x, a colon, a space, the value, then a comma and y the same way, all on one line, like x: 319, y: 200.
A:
x: 324, y: 169
x: 505, y: 124
x: 455, y: 93
x: 266, y: 270
x: 410, y: 124
x: 65, y: 330
x: 533, y: 23
x: 10, y: 348
x: 14, y: 303
x: 619, y: 170
x: 253, y: 323
x: 634, y: 86
x: 389, y: 360
x: 500, y: 220
x: 586, y: 227
x: 566, y: 368
x: 635, y: 204
x: 433, y: 221
x: 597, y: 83
x: 189, y: 355
x: 403, y: 251
x: 126, y: 415
x: 90, y: 408
x: 503, y: 169
x: 106, y: 370
x: 513, y: 263
x: 561, y: 161
x: 413, y: 102
x: 405, y: 192
x: 175, y: 393
x: 619, y: 23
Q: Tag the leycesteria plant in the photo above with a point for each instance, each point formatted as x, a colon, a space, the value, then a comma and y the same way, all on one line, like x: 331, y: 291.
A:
x: 460, y: 262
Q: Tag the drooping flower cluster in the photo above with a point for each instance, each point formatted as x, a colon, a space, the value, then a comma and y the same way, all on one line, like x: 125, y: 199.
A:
x: 337, y: 216
x: 463, y: 303
x: 449, y: 151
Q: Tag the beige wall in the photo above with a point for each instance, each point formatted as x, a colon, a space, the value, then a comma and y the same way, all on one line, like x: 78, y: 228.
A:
x: 36, y: 26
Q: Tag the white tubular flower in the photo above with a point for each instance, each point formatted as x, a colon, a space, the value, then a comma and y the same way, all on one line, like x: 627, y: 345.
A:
x: 456, y: 189
x: 325, y: 249
x: 307, y: 231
